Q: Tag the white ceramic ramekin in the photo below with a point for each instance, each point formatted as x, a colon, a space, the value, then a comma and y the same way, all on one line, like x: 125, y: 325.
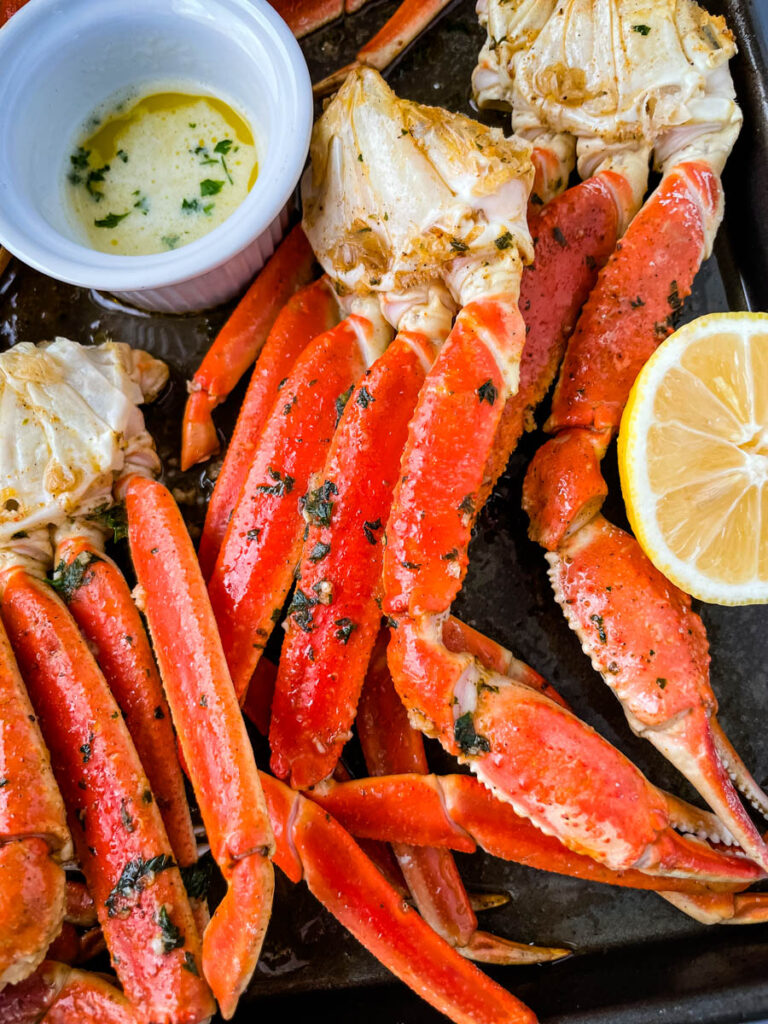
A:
x: 59, y: 59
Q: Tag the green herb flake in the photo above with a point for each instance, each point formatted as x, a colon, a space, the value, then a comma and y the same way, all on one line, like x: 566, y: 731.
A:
x: 135, y: 875
x: 504, y: 241
x: 319, y: 551
x: 86, y: 748
x: 170, y: 936
x: 125, y: 817
x: 341, y: 402
x: 467, y: 505
x: 190, y: 205
x: 300, y: 609
x: 111, y: 220
x: 451, y: 556
x: 345, y: 630
x: 210, y: 187
x: 282, y: 485
x: 369, y: 529
x: 223, y: 147
x: 458, y: 246
x: 122, y: 155
x: 643, y: 30
x: 598, y: 621
x: 487, y: 392
x: 468, y: 740
x: 142, y: 205
x: 4, y: 782
x: 170, y: 241
x: 67, y: 579
x: 364, y: 397
x: 190, y: 965
x: 661, y: 682
x: 318, y: 507
x: 197, y: 879
x: 112, y: 517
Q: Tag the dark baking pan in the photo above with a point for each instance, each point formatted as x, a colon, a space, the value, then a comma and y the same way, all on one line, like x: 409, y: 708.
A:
x: 636, y: 959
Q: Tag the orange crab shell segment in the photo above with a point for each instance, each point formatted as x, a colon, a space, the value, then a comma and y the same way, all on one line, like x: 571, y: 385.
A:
x: 311, y: 311
x: 457, y: 415
x: 573, y: 236
x: 211, y: 733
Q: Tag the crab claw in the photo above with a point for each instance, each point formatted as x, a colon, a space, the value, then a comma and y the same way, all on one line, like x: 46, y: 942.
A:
x: 459, y: 812
x: 311, y: 845
x: 61, y: 995
x: 601, y: 577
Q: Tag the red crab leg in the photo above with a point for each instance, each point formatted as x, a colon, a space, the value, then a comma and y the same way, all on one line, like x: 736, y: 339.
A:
x: 305, y: 16
x: 661, y: 675
x: 311, y: 311
x: 100, y: 602
x: 391, y: 746
x: 407, y: 23
x: 33, y: 831
x: 332, y: 631
x: 459, y: 812
x: 262, y: 545
x: 211, y: 732
x: 310, y: 844
x: 723, y: 907
x: 121, y: 844
x: 573, y: 235
x: 239, y: 342
x: 58, y: 994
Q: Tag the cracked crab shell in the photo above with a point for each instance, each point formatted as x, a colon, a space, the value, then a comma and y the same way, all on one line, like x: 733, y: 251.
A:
x: 398, y: 192
x: 623, y: 71
x: 69, y: 420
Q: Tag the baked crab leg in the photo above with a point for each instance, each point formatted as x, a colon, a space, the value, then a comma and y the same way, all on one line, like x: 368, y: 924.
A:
x: 58, y: 994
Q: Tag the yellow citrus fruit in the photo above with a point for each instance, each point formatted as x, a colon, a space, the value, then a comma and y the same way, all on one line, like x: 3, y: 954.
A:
x: 693, y: 458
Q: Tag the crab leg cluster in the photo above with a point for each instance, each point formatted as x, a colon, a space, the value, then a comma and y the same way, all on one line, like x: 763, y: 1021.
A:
x: 657, y: 664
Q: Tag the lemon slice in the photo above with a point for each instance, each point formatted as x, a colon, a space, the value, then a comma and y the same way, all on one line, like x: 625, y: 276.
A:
x: 693, y: 458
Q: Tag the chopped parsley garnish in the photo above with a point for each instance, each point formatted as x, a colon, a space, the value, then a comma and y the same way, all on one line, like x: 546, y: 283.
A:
x: 170, y: 241
x: 142, y: 205
x: 197, y: 879
x: 369, y: 528
x: 113, y: 517
x: 122, y: 155
x: 111, y: 220
x: 282, y: 485
x: 468, y: 740
x: 210, y: 187
x: 86, y: 749
x: 170, y: 936
x: 504, y: 241
x: 301, y: 609
x: 136, y: 873
x: 598, y: 621
x: 319, y: 551
x: 341, y: 402
x: 318, y: 507
x: 345, y: 630
x: 487, y: 392
x: 458, y: 246
x: 223, y: 147
x: 190, y: 965
x: 364, y: 397
x: 190, y: 205
x: 67, y: 579
x: 642, y: 29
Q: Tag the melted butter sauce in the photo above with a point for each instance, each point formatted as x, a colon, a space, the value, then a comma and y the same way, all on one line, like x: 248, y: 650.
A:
x: 160, y: 173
